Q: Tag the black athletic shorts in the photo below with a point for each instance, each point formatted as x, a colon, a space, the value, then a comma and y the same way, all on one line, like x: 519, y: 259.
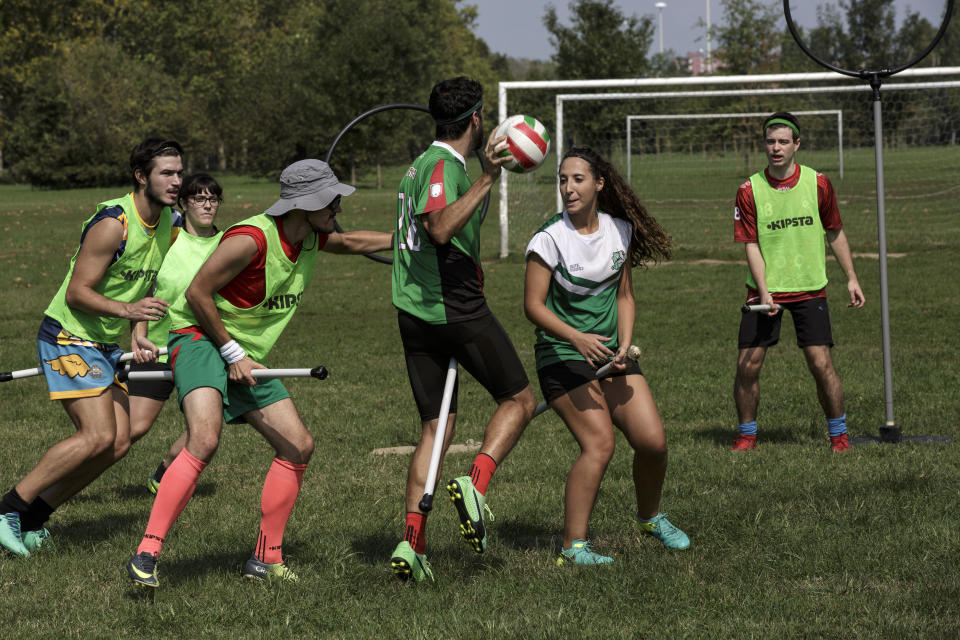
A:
x: 481, y: 347
x: 156, y: 389
x: 811, y: 319
x: 560, y: 377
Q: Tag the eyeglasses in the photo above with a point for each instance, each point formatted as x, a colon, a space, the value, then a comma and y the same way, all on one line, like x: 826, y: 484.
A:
x: 203, y: 200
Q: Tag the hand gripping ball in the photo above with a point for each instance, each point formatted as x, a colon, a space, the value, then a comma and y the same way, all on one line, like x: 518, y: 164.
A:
x: 527, y: 141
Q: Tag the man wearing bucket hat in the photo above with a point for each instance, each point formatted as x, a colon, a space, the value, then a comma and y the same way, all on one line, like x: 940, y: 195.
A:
x: 233, y: 312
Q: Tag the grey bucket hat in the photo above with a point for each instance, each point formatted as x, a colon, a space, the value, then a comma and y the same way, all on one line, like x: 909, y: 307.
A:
x: 309, y: 185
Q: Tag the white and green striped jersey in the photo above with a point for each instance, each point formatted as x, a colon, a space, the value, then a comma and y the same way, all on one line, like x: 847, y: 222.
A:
x: 586, y: 274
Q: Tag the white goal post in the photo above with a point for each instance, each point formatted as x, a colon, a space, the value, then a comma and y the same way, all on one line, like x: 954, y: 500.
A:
x: 696, y: 87
x: 714, y: 116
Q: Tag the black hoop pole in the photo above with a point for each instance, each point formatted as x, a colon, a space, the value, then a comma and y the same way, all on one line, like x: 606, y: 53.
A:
x: 889, y: 431
x: 363, y: 116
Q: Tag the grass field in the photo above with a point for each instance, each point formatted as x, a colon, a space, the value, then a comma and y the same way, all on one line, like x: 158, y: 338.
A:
x: 789, y: 541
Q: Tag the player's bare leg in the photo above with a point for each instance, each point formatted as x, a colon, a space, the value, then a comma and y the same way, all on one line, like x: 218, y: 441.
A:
x: 746, y: 384
x: 829, y: 387
x: 420, y: 460
x: 507, y: 424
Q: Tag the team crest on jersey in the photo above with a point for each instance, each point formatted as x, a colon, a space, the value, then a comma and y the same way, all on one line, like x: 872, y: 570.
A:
x: 412, y: 172
x: 618, y: 257
x: 436, y: 189
x: 73, y: 365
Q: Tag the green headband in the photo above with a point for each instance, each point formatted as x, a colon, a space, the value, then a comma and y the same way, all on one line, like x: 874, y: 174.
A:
x: 465, y: 114
x: 772, y: 121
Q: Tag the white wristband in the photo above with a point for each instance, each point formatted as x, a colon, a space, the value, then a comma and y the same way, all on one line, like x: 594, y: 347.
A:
x: 232, y: 352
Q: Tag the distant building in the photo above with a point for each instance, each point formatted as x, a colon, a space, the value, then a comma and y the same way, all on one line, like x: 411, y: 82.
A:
x: 699, y: 65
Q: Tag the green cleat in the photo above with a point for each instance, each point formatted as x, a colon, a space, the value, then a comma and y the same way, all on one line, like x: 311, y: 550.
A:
x: 152, y: 485
x: 10, y: 537
x: 257, y: 570
x: 142, y: 569
x: 664, y: 531
x: 580, y: 552
x: 407, y: 563
x: 470, y: 505
x: 36, y: 540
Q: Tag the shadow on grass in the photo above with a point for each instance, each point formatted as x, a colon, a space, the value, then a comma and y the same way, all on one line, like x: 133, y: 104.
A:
x: 527, y: 536
x: 373, y: 548
x: 135, y: 491
x: 777, y: 435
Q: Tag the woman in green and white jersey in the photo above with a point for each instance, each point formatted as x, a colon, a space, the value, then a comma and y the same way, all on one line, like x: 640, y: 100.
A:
x: 580, y: 296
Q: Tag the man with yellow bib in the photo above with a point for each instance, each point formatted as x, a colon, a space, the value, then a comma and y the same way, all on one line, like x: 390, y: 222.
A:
x: 781, y: 216
x: 106, y: 288
x: 232, y: 314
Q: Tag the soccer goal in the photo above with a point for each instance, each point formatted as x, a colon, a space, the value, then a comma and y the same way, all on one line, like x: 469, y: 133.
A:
x: 704, y: 137
x: 743, y: 125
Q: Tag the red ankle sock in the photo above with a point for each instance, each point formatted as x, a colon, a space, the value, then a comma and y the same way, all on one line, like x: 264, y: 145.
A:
x: 481, y: 472
x: 414, y: 534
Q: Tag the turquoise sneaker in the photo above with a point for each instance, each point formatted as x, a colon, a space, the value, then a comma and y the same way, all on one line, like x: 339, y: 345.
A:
x: 664, y: 531
x: 470, y: 505
x: 10, y: 537
x: 407, y: 563
x: 256, y: 570
x: 36, y: 540
x: 142, y: 569
x: 580, y: 552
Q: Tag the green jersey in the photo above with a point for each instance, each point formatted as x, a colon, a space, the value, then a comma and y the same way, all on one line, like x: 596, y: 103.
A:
x: 585, y: 279
x: 257, y: 328
x: 790, y: 234
x: 184, y: 259
x: 128, y: 278
x: 439, y: 284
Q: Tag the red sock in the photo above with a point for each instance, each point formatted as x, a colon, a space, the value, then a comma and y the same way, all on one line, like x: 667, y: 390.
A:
x: 280, y: 491
x: 416, y: 523
x: 174, y: 493
x: 481, y: 472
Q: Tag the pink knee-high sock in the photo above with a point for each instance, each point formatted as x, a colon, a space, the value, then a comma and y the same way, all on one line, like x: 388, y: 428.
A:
x: 176, y: 489
x: 280, y: 491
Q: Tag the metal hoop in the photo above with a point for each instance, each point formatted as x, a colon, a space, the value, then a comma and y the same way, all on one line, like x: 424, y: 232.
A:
x: 866, y: 73
x: 367, y: 114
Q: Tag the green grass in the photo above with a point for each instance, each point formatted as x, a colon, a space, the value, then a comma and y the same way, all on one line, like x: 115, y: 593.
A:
x: 789, y: 541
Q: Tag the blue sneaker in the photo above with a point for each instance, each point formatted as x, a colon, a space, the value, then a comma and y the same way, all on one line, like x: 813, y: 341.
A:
x: 470, y: 505
x: 36, y: 540
x: 664, y: 531
x: 142, y: 569
x: 407, y: 563
x: 10, y: 537
x: 580, y: 552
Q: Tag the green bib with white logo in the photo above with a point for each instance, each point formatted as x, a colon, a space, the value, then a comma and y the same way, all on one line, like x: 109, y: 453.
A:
x: 258, y: 328
x: 128, y: 279
x: 184, y: 259
x: 790, y: 234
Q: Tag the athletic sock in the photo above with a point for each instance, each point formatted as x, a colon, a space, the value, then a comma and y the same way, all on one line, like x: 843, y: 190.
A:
x: 481, y: 472
x: 158, y: 474
x: 179, y: 483
x: 748, y: 428
x: 36, y: 516
x: 837, y: 426
x: 280, y: 491
x: 414, y: 534
x: 12, y: 501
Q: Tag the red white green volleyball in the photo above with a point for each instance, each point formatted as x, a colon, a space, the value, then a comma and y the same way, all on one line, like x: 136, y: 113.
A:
x: 527, y: 141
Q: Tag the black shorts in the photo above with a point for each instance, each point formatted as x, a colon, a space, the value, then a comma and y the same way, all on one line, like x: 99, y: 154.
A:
x: 156, y: 389
x: 481, y: 347
x: 811, y: 319
x: 561, y: 377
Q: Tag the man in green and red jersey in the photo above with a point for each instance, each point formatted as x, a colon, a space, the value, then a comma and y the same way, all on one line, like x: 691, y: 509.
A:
x: 781, y: 216
x: 110, y: 275
x: 234, y: 311
x: 442, y: 312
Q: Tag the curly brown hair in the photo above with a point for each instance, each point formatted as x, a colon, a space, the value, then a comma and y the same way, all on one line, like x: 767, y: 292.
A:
x: 649, y: 243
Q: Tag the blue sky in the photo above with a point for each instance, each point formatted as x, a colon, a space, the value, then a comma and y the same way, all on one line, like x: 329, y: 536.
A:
x: 515, y: 27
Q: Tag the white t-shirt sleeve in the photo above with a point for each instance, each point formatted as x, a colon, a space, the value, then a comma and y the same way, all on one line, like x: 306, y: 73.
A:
x: 545, y: 247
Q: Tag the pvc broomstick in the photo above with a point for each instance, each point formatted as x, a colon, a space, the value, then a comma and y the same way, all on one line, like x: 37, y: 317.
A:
x: 633, y: 353
x: 6, y: 376
x: 426, y: 502
x: 319, y: 372
x: 759, y: 308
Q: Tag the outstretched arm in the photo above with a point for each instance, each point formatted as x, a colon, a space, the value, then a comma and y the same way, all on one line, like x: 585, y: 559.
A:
x: 353, y: 242
x: 841, y: 250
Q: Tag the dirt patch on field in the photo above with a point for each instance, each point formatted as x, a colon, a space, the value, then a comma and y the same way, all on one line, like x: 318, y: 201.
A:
x: 466, y: 447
